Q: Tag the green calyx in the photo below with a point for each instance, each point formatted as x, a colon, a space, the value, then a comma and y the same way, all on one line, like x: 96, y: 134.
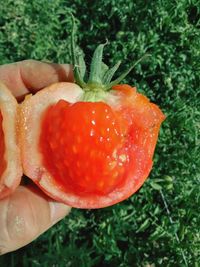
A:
x: 100, y: 75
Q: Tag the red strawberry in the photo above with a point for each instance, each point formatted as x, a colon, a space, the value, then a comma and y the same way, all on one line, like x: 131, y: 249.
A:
x: 89, y: 145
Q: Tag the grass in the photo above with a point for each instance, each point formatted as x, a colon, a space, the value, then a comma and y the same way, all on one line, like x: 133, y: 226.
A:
x: 159, y: 225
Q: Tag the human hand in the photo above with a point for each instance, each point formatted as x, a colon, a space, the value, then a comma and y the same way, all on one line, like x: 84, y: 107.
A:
x: 28, y: 212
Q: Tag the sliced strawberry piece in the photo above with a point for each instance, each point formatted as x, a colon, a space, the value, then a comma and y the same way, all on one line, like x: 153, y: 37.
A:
x: 89, y: 145
x: 10, y: 162
x: 3, y: 163
x: 85, y: 154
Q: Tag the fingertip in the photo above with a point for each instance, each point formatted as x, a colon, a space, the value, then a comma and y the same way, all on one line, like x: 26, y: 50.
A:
x: 59, y: 72
x: 25, y: 215
x: 39, y: 74
x: 58, y: 211
x: 31, y: 75
x: 68, y: 71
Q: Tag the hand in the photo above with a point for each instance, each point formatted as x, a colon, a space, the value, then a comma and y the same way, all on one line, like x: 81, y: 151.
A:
x: 28, y: 212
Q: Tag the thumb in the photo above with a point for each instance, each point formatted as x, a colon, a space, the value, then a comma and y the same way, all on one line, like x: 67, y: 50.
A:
x: 25, y: 215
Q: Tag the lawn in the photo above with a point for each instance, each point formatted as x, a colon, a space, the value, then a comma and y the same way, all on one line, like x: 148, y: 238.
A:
x: 159, y: 225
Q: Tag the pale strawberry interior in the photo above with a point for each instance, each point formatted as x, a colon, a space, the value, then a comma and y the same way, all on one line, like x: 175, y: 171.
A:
x: 2, y: 148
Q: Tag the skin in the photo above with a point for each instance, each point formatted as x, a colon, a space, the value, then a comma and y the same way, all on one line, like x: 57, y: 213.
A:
x: 27, y: 213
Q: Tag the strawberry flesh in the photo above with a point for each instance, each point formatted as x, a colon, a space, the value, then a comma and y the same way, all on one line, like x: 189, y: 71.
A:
x: 145, y: 117
x: 2, y: 147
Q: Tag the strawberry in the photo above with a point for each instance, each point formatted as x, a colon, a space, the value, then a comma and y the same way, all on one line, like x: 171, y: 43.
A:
x: 2, y: 147
x: 89, y: 144
x: 10, y: 162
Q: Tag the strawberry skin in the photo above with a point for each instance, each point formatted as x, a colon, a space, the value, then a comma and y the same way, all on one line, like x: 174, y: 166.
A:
x: 83, y: 145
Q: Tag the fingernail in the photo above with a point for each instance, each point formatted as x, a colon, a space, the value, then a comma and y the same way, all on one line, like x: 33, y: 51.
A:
x: 58, y: 211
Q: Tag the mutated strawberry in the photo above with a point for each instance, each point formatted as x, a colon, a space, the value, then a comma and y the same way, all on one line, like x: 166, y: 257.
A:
x: 10, y: 162
x: 89, y: 144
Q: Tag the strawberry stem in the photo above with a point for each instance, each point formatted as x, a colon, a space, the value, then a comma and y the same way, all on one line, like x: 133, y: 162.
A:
x: 77, y: 73
x: 100, y: 76
x: 96, y: 66
x: 123, y: 75
x: 110, y: 73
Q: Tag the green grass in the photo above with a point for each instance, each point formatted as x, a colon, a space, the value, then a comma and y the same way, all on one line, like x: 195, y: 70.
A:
x: 159, y: 225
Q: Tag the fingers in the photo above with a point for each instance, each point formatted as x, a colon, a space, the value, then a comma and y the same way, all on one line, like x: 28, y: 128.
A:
x: 25, y: 215
x: 28, y: 213
x: 31, y: 75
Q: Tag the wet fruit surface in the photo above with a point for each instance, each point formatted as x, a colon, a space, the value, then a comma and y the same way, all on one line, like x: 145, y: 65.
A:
x: 2, y: 148
x: 91, y: 148
x: 84, y: 151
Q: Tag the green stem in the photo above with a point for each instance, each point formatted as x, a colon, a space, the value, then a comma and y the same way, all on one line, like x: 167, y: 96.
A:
x: 121, y: 77
x: 100, y: 75
x: 77, y: 74
x: 96, y: 65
